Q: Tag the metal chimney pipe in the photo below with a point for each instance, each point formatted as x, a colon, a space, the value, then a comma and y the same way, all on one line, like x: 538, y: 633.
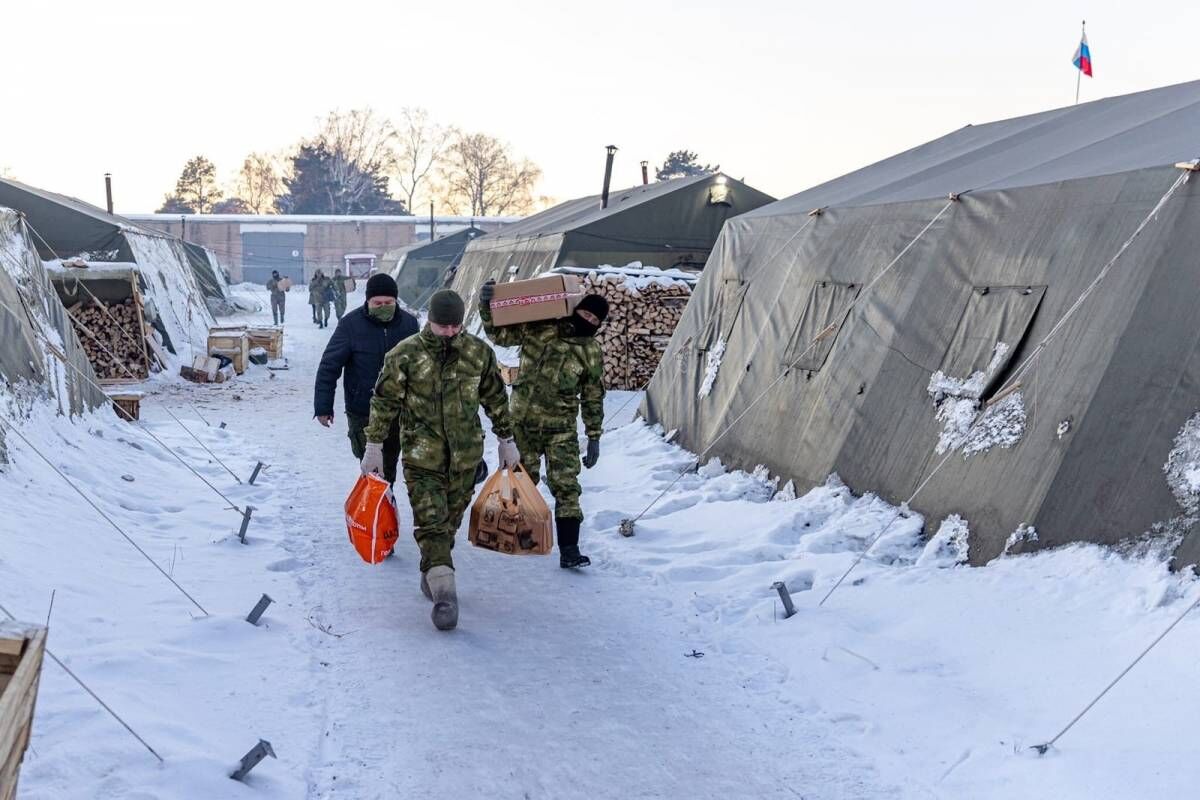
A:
x: 645, y: 173
x: 431, y: 222
x: 108, y: 190
x: 612, y: 151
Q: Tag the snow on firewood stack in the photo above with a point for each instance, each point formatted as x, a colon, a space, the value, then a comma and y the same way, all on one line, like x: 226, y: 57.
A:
x: 645, y: 305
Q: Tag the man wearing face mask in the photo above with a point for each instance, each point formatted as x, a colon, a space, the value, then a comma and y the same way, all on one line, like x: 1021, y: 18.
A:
x: 561, y: 374
x: 355, y: 353
x: 435, y: 383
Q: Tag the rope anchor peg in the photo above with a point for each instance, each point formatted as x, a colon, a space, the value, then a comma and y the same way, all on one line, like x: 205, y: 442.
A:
x: 245, y: 523
x: 259, y: 609
x: 252, y: 759
x: 254, y: 475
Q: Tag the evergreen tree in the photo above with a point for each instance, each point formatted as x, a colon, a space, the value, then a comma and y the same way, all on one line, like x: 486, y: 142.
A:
x: 173, y: 205
x: 683, y: 164
x: 322, y: 183
x: 196, y: 188
x: 232, y: 205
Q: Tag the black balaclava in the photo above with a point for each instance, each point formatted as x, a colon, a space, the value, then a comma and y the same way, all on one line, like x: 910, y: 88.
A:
x: 580, y: 326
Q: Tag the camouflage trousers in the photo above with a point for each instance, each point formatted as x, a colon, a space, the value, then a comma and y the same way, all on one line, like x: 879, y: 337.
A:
x: 339, y: 307
x: 438, y: 501
x: 561, y: 449
x: 278, y: 306
x: 356, y: 431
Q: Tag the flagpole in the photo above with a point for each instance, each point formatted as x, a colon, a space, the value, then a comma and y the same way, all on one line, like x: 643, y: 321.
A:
x: 1079, y: 69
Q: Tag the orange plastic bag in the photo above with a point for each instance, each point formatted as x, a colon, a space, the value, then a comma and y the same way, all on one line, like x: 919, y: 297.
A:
x: 510, y: 516
x: 371, y: 518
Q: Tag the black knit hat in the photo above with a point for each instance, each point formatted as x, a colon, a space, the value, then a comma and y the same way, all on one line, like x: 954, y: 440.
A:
x: 446, y: 307
x: 595, y: 304
x: 381, y: 285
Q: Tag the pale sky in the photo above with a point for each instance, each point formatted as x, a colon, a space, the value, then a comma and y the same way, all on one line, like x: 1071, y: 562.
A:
x: 784, y: 94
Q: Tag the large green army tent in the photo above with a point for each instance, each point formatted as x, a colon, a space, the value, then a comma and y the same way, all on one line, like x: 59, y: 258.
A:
x: 171, y: 281
x: 858, y: 327
x: 666, y: 224
x: 421, y: 269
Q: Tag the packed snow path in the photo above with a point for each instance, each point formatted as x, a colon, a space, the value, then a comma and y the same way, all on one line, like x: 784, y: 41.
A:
x: 556, y: 683
x: 917, y: 680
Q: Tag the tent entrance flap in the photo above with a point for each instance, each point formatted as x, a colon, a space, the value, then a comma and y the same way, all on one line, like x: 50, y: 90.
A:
x: 993, y: 315
x: 720, y: 322
x: 826, y: 306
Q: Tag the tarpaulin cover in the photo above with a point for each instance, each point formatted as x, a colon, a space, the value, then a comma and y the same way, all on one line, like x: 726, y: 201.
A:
x: 31, y: 307
x: 665, y: 224
x: 1106, y: 398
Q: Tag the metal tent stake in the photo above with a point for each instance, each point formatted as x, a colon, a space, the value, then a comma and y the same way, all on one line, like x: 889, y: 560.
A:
x: 251, y: 759
x: 245, y: 523
x: 254, y: 475
x: 259, y: 609
x: 785, y: 597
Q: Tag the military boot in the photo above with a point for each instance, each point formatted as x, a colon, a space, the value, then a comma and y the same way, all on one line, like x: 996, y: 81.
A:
x: 440, y: 580
x: 569, y: 556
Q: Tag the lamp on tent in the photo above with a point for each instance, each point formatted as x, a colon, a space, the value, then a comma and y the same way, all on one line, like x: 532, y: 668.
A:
x: 718, y: 193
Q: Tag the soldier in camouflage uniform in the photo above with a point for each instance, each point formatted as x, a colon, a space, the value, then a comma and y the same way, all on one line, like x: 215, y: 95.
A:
x: 435, y: 382
x: 561, y: 373
x: 339, y: 294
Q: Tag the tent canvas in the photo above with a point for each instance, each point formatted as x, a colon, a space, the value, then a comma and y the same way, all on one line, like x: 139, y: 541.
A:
x: 421, y: 269
x: 1043, y: 204
x: 665, y: 224
x: 38, y: 346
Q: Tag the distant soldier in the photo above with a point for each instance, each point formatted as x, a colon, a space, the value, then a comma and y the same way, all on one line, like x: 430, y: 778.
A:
x: 434, y: 383
x: 339, y: 293
x: 355, y: 354
x: 278, y: 297
x: 316, y: 295
x: 561, y: 373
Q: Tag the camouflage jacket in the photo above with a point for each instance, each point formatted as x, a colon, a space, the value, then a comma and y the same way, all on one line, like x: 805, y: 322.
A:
x: 316, y: 291
x: 436, y: 388
x: 560, y: 375
x: 338, y: 282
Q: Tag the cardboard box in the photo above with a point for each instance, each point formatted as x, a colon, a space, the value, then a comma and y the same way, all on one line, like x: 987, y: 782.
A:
x: 285, y: 284
x: 549, y: 297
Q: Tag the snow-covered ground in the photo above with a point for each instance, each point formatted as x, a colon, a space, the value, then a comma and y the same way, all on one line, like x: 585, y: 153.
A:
x: 666, y: 670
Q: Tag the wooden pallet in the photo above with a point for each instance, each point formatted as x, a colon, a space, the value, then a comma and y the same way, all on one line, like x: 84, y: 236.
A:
x: 20, y: 671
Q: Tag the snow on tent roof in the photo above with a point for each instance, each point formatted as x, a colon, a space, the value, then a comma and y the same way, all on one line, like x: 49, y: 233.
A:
x: 1103, y: 137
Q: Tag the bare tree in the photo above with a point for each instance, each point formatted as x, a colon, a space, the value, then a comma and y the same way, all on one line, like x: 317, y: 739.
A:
x: 421, y: 146
x: 482, y: 176
x: 259, y: 182
x: 361, y: 145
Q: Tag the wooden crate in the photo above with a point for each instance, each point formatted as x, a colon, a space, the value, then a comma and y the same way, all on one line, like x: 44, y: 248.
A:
x: 21, y: 649
x: 129, y: 402
x: 233, y: 343
x: 269, y: 339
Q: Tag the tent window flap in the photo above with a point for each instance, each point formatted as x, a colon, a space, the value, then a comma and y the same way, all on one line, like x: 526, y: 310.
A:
x: 812, y: 339
x: 993, y: 315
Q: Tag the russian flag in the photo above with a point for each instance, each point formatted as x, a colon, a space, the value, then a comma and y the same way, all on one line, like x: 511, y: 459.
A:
x: 1083, y: 57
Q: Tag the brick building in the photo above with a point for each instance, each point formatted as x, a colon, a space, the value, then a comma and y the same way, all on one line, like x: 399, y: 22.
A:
x: 251, y: 245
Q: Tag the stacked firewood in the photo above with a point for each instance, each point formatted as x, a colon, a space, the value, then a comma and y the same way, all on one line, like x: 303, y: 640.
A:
x: 639, y: 326
x: 116, y: 349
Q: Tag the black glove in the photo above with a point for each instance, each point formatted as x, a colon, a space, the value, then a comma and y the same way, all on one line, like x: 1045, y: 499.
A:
x: 593, y: 453
x: 486, y: 293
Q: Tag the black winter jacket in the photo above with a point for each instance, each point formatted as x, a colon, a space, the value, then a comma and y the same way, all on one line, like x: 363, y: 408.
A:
x: 355, y: 352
